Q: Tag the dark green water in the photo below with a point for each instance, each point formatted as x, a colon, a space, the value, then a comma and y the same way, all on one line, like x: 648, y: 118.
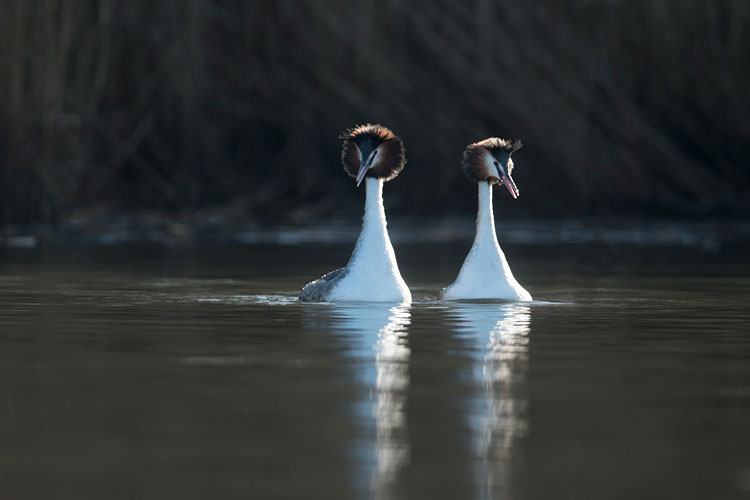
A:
x: 154, y: 372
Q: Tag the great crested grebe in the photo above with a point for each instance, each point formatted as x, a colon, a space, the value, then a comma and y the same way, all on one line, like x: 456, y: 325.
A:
x: 485, y: 273
x: 374, y: 154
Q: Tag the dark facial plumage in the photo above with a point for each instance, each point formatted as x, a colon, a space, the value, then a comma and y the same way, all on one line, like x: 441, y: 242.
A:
x: 479, y: 155
x: 362, y: 140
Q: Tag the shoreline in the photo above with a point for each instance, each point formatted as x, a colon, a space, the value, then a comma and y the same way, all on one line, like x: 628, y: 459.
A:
x: 154, y: 228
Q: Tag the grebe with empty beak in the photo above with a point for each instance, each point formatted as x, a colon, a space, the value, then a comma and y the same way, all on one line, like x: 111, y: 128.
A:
x: 485, y: 273
x: 374, y: 154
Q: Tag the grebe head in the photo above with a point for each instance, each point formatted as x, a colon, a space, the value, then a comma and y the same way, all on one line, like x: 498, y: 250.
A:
x: 489, y: 161
x: 372, y: 151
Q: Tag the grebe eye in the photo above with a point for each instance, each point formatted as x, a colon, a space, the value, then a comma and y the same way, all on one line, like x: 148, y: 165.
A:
x: 496, y: 164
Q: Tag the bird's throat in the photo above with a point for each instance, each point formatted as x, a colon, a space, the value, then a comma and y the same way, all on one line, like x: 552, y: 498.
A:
x: 373, y: 244
x: 374, y: 218
x: 485, y: 218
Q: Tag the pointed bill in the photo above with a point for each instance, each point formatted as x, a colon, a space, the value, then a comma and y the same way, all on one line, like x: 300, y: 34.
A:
x: 361, y: 173
x: 364, y: 167
x: 508, y: 181
x: 505, y: 178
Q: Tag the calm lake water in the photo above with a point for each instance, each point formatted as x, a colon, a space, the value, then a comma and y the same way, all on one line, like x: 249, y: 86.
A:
x: 156, y: 372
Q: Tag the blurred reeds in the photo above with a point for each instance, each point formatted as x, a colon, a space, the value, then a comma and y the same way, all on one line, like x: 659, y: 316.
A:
x: 625, y: 107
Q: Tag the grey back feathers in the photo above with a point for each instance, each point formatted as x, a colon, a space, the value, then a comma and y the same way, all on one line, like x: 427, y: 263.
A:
x: 318, y: 290
x: 479, y: 155
x: 362, y: 140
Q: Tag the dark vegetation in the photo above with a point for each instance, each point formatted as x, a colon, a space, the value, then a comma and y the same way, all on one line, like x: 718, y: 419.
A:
x: 233, y: 108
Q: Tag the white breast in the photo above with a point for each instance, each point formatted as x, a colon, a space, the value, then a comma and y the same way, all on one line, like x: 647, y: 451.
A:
x: 485, y: 273
x: 372, y: 273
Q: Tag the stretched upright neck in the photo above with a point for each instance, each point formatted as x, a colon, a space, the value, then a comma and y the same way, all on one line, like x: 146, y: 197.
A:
x: 373, y: 239
x: 372, y: 272
x: 485, y: 217
x: 374, y: 219
x: 485, y: 273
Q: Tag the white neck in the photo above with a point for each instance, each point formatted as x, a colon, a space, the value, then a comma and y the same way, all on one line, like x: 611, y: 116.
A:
x: 485, y: 272
x: 485, y: 218
x: 374, y: 219
x: 373, y: 238
x: 372, y: 271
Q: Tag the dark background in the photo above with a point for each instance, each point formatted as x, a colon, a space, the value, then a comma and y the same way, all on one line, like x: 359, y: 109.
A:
x: 231, y: 109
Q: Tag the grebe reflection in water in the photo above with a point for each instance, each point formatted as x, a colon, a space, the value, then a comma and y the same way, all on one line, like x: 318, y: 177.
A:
x: 499, y: 333
x: 378, y: 334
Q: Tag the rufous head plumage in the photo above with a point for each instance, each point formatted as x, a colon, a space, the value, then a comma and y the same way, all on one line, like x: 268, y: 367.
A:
x: 489, y: 160
x: 372, y: 151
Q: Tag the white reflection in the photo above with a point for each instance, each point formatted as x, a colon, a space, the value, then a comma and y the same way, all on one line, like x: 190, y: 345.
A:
x: 381, y: 335
x: 500, y: 335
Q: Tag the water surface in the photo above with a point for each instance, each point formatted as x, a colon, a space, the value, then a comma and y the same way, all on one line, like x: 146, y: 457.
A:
x: 149, y: 371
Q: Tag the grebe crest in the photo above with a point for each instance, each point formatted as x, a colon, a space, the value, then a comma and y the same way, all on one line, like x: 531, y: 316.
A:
x: 372, y: 153
x: 489, y: 160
